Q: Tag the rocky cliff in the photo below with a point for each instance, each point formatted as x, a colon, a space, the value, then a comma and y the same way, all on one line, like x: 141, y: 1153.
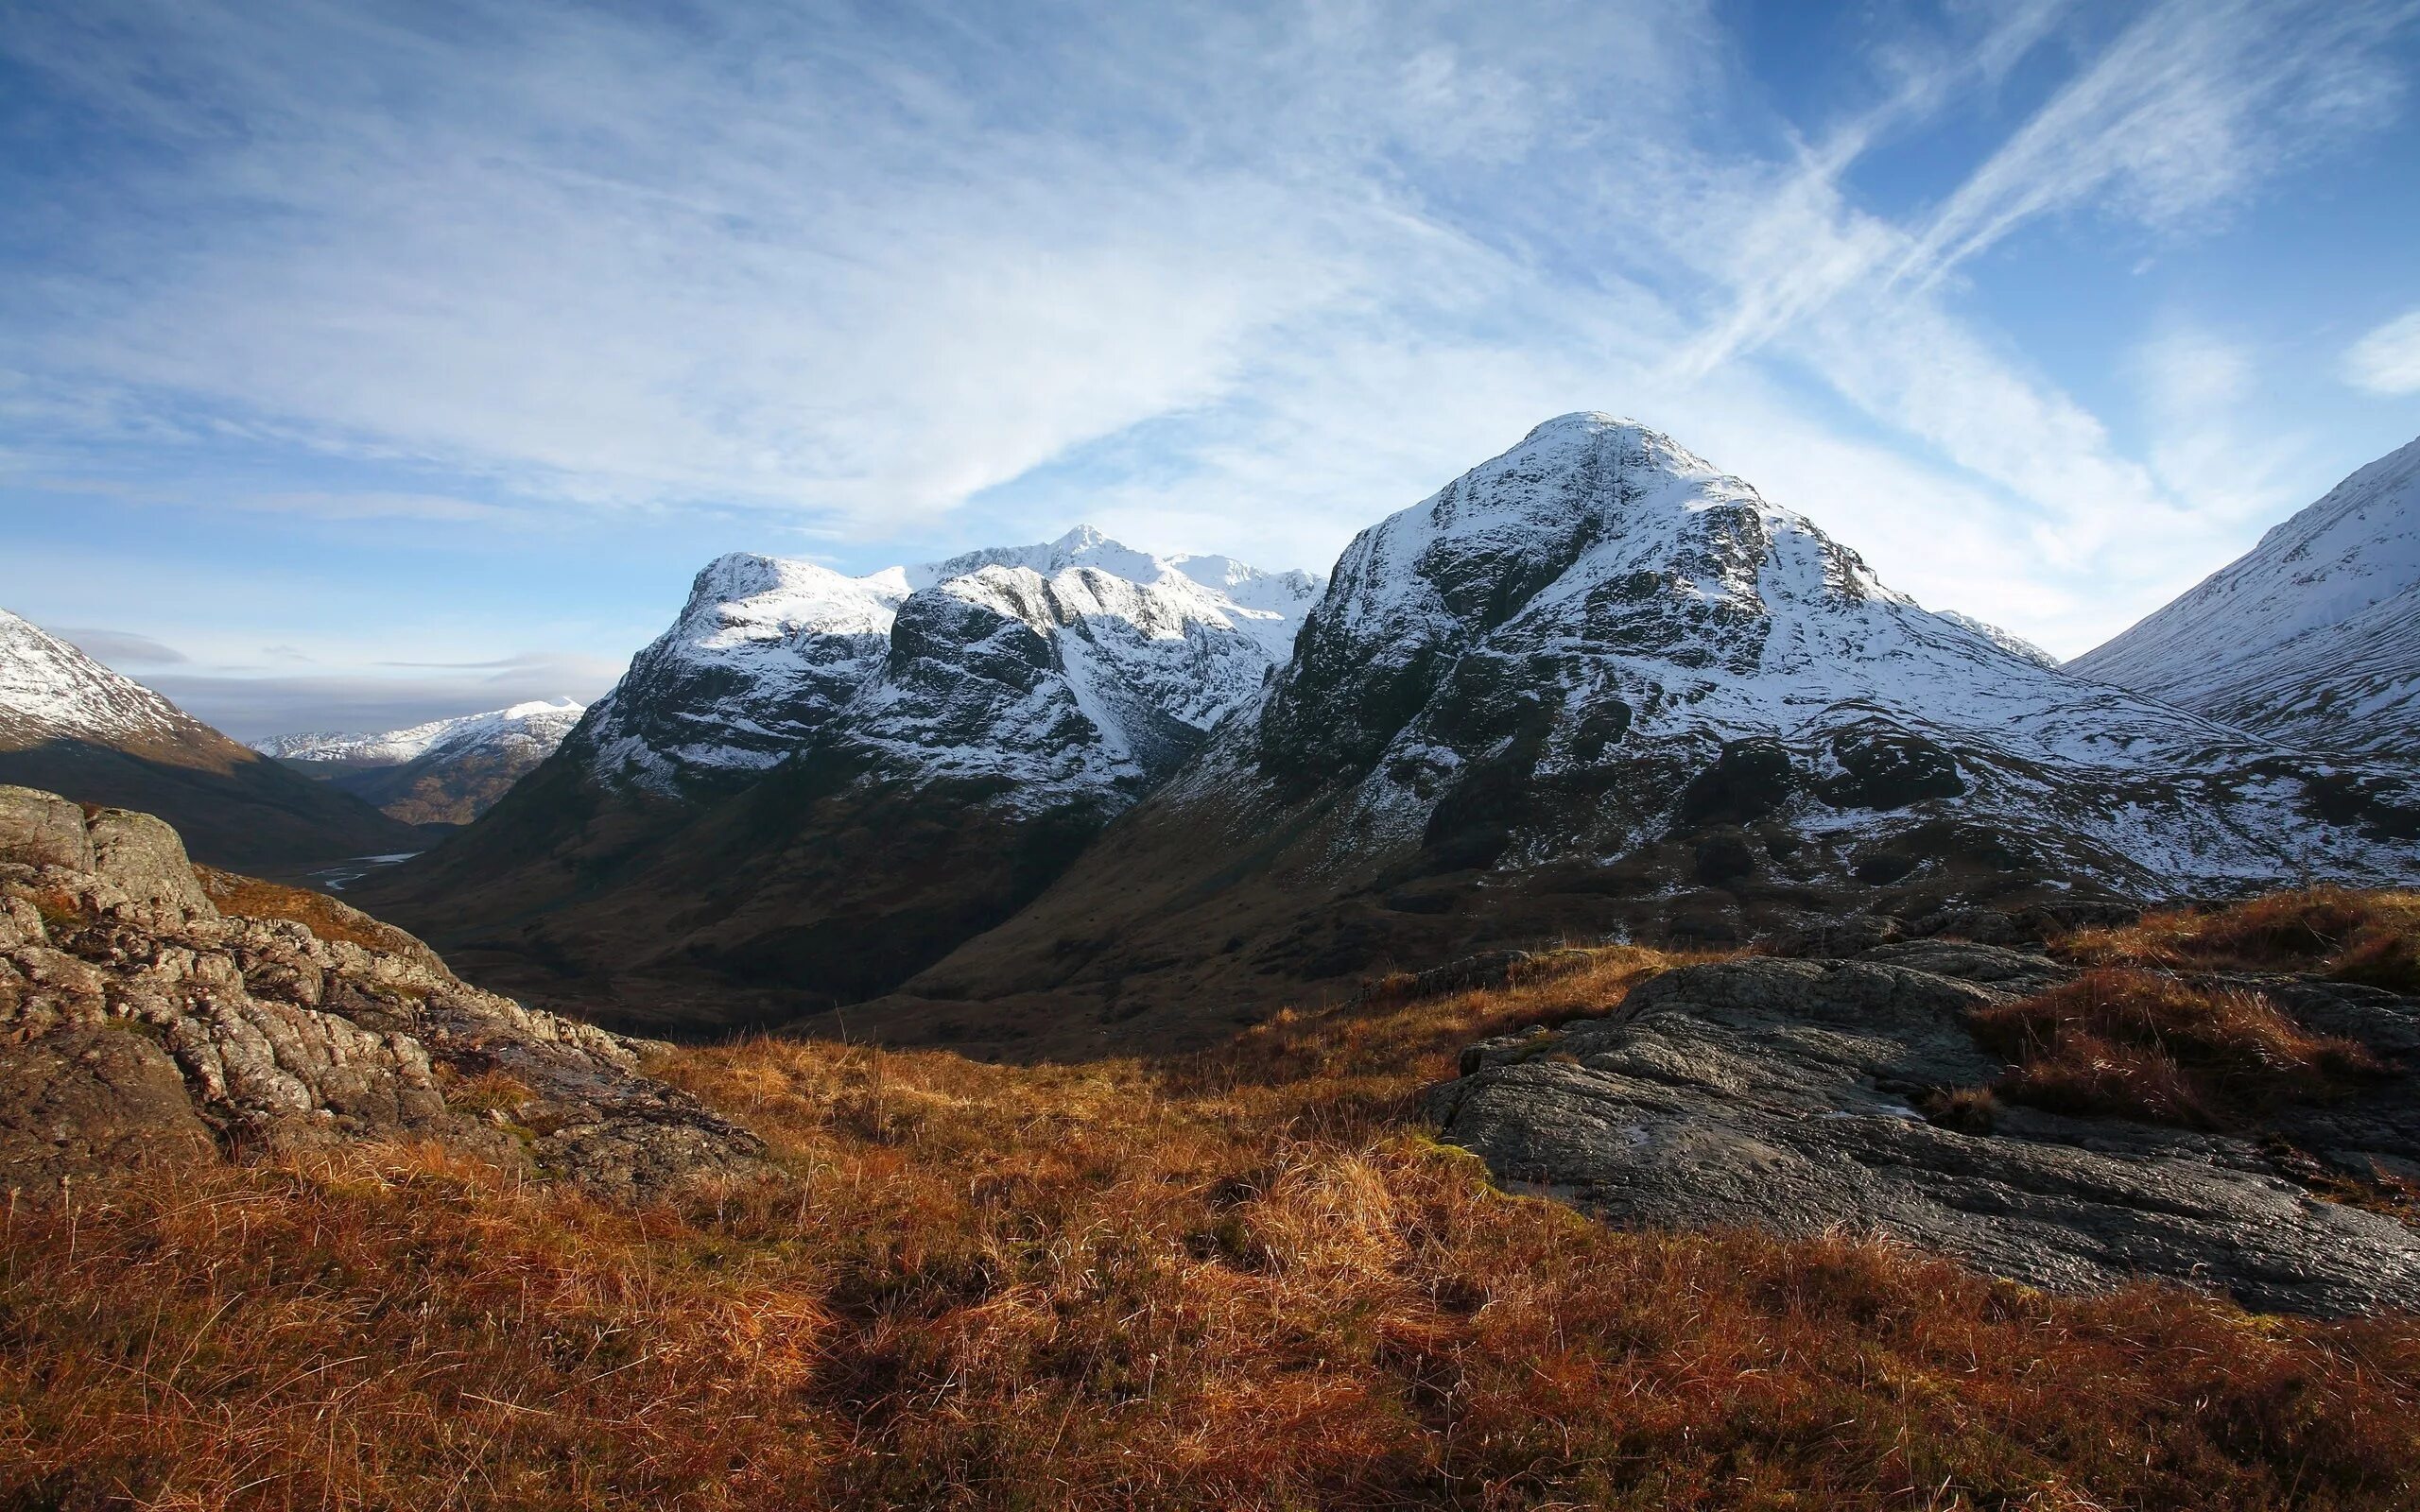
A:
x: 813, y: 784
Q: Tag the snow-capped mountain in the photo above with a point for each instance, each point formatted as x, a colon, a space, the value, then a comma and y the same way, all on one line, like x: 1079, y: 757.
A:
x: 1075, y: 663
x: 446, y: 771
x: 1596, y: 684
x: 2312, y: 636
x: 536, y: 726
x: 1600, y: 599
x: 71, y: 726
x: 841, y: 778
x: 50, y: 690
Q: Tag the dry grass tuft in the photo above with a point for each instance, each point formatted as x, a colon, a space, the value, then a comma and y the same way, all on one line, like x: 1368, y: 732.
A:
x: 253, y: 897
x: 2372, y: 938
x: 1238, y: 1280
x: 2143, y: 1044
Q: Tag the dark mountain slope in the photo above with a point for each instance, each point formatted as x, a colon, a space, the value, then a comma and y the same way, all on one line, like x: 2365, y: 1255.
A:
x: 815, y: 785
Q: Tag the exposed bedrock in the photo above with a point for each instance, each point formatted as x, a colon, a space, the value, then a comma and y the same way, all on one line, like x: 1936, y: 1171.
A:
x: 1784, y: 1094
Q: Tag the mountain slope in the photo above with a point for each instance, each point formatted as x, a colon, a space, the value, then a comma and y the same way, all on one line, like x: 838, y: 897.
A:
x: 446, y: 771
x: 1594, y: 686
x: 2312, y: 636
x: 813, y: 784
x: 71, y: 726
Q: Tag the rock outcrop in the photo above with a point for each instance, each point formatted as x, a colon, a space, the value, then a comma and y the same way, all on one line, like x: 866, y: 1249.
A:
x: 141, y: 1021
x: 1792, y: 1095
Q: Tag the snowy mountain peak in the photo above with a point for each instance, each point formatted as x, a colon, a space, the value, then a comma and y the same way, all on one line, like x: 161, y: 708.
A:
x: 49, y: 689
x: 1583, y: 629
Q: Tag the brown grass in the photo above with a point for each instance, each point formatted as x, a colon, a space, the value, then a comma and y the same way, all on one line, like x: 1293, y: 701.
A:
x: 2144, y: 1045
x: 1239, y: 1280
x: 2372, y: 938
x: 253, y: 897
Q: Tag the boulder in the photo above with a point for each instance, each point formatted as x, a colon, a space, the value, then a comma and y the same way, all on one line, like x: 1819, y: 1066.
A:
x: 39, y: 828
x: 1787, y: 1094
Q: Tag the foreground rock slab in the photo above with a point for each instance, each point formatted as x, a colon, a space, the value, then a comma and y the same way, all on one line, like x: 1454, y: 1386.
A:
x: 140, y: 1022
x: 1782, y: 1095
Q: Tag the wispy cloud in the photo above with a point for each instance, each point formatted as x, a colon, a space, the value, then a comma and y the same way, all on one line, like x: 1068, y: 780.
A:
x: 2193, y: 104
x: 2387, y: 361
x: 1235, y: 278
x: 120, y: 648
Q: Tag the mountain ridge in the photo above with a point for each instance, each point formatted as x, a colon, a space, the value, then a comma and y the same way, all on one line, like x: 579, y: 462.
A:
x: 445, y: 771
x: 2312, y: 636
x: 953, y: 732
x: 1597, y: 686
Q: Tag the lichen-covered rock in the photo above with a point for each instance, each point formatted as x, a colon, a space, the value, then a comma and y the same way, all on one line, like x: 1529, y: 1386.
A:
x: 1784, y: 1095
x: 139, y: 1020
x: 44, y: 829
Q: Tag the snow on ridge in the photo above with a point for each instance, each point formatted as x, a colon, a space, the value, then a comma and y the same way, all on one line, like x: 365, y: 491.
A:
x: 2311, y: 635
x: 1598, y: 564
x: 540, y: 723
x: 2006, y: 640
x: 48, y: 688
x: 770, y: 650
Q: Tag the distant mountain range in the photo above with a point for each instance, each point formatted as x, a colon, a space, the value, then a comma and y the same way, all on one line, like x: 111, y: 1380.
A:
x: 2312, y: 636
x: 72, y: 726
x: 446, y: 771
x: 1594, y: 686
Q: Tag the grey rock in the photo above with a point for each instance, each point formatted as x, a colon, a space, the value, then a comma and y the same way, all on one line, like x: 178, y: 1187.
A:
x: 39, y: 828
x: 1783, y: 1094
x: 83, y: 1100
x: 145, y: 858
x: 136, y: 1019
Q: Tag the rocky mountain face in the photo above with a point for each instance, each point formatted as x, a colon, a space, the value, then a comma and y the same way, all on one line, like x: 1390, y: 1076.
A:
x: 70, y: 725
x: 1594, y: 686
x: 446, y: 771
x: 2311, y: 637
x: 1801, y: 1095
x: 814, y: 785
x: 151, y: 1012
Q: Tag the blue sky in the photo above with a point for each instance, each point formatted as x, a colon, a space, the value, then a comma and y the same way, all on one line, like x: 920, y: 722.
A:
x: 362, y: 363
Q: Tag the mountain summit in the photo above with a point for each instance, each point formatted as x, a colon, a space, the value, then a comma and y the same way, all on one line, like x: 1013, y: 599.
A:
x: 1596, y: 685
x: 2312, y: 636
x: 841, y: 778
